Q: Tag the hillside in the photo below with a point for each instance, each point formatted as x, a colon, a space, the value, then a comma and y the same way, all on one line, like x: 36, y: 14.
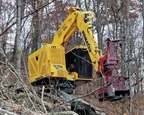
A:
x: 27, y: 101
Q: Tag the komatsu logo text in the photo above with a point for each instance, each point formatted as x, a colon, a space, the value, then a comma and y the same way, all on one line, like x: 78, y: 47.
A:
x: 86, y: 41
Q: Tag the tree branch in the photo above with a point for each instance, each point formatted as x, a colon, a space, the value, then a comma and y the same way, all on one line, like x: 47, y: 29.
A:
x: 27, y: 16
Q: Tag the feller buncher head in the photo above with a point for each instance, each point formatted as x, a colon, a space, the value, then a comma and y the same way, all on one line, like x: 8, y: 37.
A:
x: 108, y: 68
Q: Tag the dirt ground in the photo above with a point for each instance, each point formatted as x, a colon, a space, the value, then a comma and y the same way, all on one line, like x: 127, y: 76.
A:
x: 119, y: 107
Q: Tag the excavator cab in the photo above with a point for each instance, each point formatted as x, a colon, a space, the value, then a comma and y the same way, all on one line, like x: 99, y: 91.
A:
x: 79, y: 57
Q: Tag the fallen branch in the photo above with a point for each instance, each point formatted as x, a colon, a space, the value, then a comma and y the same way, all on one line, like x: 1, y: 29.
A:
x: 3, y: 112
x: 27, y: 92
x: 42, y: 99
x: 13, y: 109
x: 63, y: 113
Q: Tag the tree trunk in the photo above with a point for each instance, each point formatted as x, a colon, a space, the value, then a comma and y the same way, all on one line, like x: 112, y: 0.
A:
x: 122, y: 36
x: 129, y: 55
x: 17, y: 47
x: 1, y: 37
x: 36, y: 26
x: 97, y: 11
x: 49, y: 25
x: 143, y: 25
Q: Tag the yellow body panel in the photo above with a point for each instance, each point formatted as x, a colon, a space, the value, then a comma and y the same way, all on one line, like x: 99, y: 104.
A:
x: 48, y: 61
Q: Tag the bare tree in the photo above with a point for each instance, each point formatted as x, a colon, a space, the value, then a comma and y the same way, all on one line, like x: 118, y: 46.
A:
x: 98, y: 10
x: 129, y: 54
x: 1, y: 45
x: 48, y: 32
x: 17, y: 48
x: 36, y: 25
x: 143, y: 24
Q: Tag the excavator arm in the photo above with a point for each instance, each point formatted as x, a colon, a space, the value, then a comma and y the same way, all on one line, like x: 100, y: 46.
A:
x: 67, y: 28
x: 84, y: 25
x: 80, y: 20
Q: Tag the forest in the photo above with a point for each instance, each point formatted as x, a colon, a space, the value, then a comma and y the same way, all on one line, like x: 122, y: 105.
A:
x: 27, y: 25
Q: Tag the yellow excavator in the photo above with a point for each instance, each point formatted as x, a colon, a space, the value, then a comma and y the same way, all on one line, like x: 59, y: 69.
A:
x: 49, y: 61
x: 50, y: 65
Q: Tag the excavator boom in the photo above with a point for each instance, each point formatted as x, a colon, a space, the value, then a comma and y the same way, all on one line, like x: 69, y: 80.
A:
x: 79, y: 20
